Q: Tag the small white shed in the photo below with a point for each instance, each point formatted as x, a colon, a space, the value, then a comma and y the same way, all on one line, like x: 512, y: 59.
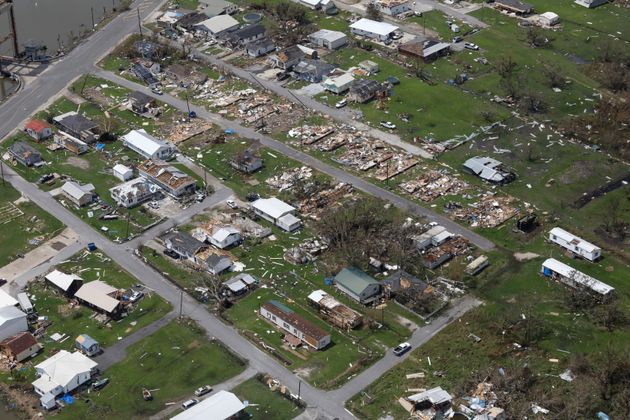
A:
x: 122, y: 172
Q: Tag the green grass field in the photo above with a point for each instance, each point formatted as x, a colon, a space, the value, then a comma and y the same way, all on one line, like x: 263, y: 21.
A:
x: 265, y: 404
x: 73, y: 321
x: 173, y: 362
x: 22, y: 225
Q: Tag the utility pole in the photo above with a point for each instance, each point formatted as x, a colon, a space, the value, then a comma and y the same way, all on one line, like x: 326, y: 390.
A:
x: 92, y: 12
x: 127, y: 229
x: 299, y: 390
x: 181, y: 302
x: 187, y: 105
x: 2, y: 173
x: 113, y: 5
x: 139, y: 21
x: 85, y: 78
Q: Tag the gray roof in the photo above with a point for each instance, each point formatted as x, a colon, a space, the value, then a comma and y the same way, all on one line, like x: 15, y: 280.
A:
x: 488, y: 169
x: 213, y: 260
x: 248, y: 31
x: 395, y: 279
x: 75, y: 122
x: 140, y: 97
x: 314, y: 67
x: 516, y: 4
x: 354, y: 279
x: 25, y: 152
x: 185, y: 242
x: 365, y: 86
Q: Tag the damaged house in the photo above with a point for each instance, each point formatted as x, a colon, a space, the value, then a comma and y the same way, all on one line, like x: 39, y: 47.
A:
x: 260, y: 47
x: 148, y: 146
x: 240, y: 284
x: 363, y: 90
x: 245, y: 35
x: 358, y: 285
x: 568, y: 275
x: 132, y: 193
x: 277, y: 212
x: 142, y: 104
x: 246, y: 162
x: 428, y: 404
x: 170, y: 179
x: 328, y: 39
x: 339, y: 84
x: 184, y: 245
x: 489, y: 169
x: 335, y: 312
x: 71, y: 143
x: 297, y: 329
x: 287, y: 58
x: 25, y: 154
x: 312, y: 71
x: 78, y: 126
x: 428, y: 50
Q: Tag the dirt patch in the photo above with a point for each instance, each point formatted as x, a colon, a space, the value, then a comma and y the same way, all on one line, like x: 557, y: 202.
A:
x: 304, y: 372
x: 410, y: 325
x: 57, y: 246
x: 78, y: 162
x: 525, y: 256
x: 579, y: 171
x: 194, y: 345
x: 25, y: 401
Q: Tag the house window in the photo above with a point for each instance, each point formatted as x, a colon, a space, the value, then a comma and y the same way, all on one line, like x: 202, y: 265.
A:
x: 286, y: 326
x: 269, y: 316
x: 554, y: 237
x: 273, y: 317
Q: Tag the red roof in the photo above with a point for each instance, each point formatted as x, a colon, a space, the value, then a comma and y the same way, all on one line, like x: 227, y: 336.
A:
x: 36, y: 125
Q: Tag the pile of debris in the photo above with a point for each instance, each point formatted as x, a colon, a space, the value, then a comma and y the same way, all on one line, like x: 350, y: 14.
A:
x: 481, y: 404
x: 490, y: 211
x: 306, y: 251
x: 222, y: 100
x: 364, y: 154
x: 398, y: 164
x: 187, y: 129
x: 307, y: 134
x: 436, y: 256
x: 428, y: 404
x: 434, y: 184
x: 313, y: 205
x: 247, y: 227
x: 288, y: 179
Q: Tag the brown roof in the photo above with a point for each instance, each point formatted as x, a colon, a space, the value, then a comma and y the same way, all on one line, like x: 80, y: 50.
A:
x: 19, y: 342
x: 166, y: 174
x: 295, y: 320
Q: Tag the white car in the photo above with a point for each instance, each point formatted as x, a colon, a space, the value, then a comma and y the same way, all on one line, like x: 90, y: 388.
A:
x: 341, y: 103
x: 203, y: 390
x: 402, y: 348
x: 136, y: 296
x: 231, y: 204
x: 388, y: 124
x: 471, y: 46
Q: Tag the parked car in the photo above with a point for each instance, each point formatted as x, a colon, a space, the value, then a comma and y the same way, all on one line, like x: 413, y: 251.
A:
x: 402, y: 348
x: 471, y: 46
x: 397, y: 35
x: 203, y: 390
x: 457, y: 39
x: 231, y: 204
x: 341, y: 103
x: 169, y: 252
x: 187, y: 404
x: 282, y: 76
x: 388, y: 124
x: 136, y: 296
x: 388, y: 41
x: 100, y: 383
x: 156, y: 90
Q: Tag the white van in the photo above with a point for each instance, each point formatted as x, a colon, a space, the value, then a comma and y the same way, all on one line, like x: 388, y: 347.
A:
x: 187, y: 404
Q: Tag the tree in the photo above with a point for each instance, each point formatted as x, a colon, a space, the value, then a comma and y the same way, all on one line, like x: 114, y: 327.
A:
x: 532, y: 102
x: 610, y: 317
x: 553, y: 75
x: 373, y: 12
x: 214, y: 286
x: 536, y: 37
x: 505, y: 66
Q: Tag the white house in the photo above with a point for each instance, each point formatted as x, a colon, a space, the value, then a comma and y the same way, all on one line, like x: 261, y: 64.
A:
x: 331, y: 40
x: 219, y: 25
x: 169, y: 178
x: 590, y: 3
x: 12, y: 321
x: 61, y: 373
x: 67, y: 283
x: 225, y: 237
x: 148, y: 146
x: 373, y: 29
x: 435, y: 236
x: 277, y: 212
x: 576, y: 279
x: 133, y: 193
x: 339, y: 84
x: 99, y: 295
x: 79, y: 195
x: 548, y: 19
x: 574, y: 244
x: 392, y: 7
x: 122, y: 172
x: 221, y: 406
x: 6, y: 299
x: 287, y: 320
x: 318, y: 4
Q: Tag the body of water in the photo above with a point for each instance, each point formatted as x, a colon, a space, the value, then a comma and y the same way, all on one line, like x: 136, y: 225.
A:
x: 6, y: 88
x: 53, y: 22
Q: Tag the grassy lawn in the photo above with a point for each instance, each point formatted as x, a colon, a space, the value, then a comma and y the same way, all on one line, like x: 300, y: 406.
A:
x: 433, y: 106
x: 268, y: 404
x: 23, y: 225
x: 173, y: 362
x: 76, y: 320
x: 435, y: 21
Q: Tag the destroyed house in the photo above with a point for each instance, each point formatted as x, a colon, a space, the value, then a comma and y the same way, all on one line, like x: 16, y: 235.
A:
x: 101, y: 297
x: 25, y: 154
x: 71, y: 143
x: 401, y: 281
x: 489, y: 169
x: 277, y: 212
x: 435, y: 236
x: 132, y: 193
x: 170, y: 179
x: 246, y: 34
x: 434, y: 398
x: 140, y: 102
x: 427, y: 50
x: 79, y: 126
x: 312, y: 71
x: 295, y: 325
x: 358, y: 285
x: 240, y: 283
x: 260, y: 47
x: 144, y: 74
x: 576, y: 279
x: 189, y: 21
x: 246, y: 162
x: 68, y: 284
x: 185, y: 74
x: 148, y: 146
x: 184, y: 245
x: 287, y: 58
x: 514, y: 6
x: 146, y: 49
x: 363, y: 90
x: 335, y: 312
x: 575, y: 244
x: 20, y: 346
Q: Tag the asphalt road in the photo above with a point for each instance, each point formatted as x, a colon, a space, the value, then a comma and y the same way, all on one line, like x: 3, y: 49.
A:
x: 306, y: 159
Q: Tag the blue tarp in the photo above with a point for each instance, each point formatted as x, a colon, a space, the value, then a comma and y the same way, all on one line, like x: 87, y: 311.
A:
x: 328, y: 281
x: 100, y: 147
x: 229, y: 131
x: 67, y: 399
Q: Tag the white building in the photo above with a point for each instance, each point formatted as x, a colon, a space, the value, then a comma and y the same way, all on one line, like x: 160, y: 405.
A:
x: 219, y: 25
x: 392, y: 7
x: 331, y: 40
x: 318, y: 4
x: 79, y: 195
x: 122, y: 172
x: 277, y: 212
x: 576, y: 279
x: 339, y: 84
x: 148, y: 146
x: 435, y: 236
x: 294, y: 325
x: 12, y: 321
x: 67, y: 283
x: 590, y: 3
x: 62, y: 373
x: 225, y: 237
x: 574, y: 244
x: 221, y: 406
x: 6, y: 299
x: 133, y: 193
x: 99, y: 295
x: 548, y: 19
x: 373, y: 29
